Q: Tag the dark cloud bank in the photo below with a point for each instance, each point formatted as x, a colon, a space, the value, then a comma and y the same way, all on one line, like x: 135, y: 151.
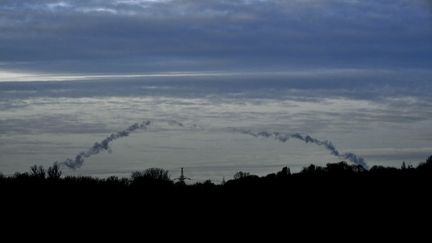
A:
x: 139, y: 35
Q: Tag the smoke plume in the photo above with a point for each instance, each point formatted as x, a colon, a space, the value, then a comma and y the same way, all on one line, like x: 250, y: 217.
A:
x: 284, y: 137
x: 103, y: 145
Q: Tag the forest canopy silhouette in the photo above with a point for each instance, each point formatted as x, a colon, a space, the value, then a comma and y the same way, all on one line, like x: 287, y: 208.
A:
x: 335, y: 188
x: 158, y: 179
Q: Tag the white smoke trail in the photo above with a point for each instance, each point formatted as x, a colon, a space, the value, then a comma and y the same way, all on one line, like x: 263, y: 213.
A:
x: 284, y: 137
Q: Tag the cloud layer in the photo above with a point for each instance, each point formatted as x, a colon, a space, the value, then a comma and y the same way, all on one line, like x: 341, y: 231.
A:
x: 355, y: 72
x: 124, y: 35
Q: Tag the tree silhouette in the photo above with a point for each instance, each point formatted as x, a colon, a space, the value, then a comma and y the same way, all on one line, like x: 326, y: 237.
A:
x: 285, y: 172
x: 37, y: 172
x: 241, y: 175
x: 151, y: 178
x: 54, y: 172
x: 333, y: 179
x: 152, y: 174
x: 426, y: 166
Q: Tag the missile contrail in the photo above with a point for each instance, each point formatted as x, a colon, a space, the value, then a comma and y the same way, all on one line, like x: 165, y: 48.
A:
x: 103, y: 145
x: 284, y: 137
x: 98, y: 147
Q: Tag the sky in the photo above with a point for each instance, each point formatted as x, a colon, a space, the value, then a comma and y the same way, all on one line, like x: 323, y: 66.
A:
x: 354, y: 72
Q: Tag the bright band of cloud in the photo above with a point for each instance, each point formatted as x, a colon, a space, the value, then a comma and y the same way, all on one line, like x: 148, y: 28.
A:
x: 7, y: 76
x: 12, y: 76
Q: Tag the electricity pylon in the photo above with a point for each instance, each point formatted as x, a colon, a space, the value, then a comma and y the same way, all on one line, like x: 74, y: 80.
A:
x: 182, y: 178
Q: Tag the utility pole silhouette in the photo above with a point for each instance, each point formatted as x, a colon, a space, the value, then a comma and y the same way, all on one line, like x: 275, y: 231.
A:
x: 182, y: 178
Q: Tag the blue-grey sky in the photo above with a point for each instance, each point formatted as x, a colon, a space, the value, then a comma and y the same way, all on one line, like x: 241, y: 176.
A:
x: 356, y: 72
x: 188, y: 35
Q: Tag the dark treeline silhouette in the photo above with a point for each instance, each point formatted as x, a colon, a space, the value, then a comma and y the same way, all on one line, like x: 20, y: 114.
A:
x: 158, y: 180
x: 319, y: 192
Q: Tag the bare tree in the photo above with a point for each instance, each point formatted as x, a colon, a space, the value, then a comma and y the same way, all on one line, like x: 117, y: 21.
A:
x: 151, y: 174
x: 54, y: 172
x: 38, y: 171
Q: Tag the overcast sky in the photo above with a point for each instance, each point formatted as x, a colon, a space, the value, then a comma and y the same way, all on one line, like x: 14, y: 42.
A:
x: 117, y: 36
x: 355, y: 72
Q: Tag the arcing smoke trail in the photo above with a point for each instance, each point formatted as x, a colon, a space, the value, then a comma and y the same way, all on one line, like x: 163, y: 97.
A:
x: 78, y: 161
x: 284, y: 137
x: 98, y: 147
